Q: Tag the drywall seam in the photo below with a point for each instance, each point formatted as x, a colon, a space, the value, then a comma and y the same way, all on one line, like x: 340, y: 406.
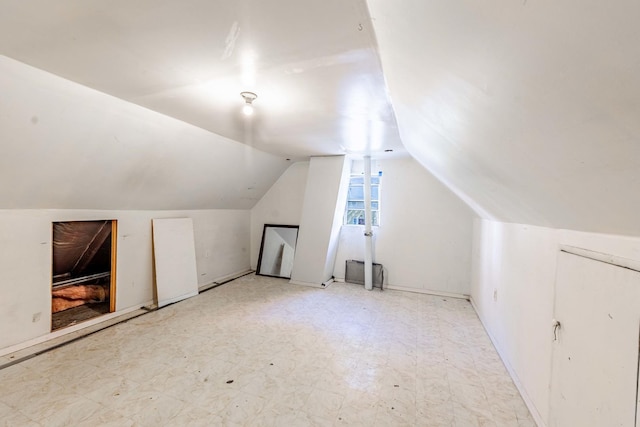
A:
x: 602, y: 257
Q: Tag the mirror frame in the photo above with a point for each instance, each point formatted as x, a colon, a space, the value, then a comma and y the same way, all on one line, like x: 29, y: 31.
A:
x: 264, y: 233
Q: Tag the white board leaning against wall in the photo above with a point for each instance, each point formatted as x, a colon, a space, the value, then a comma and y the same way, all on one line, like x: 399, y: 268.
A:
x: 174, y: 255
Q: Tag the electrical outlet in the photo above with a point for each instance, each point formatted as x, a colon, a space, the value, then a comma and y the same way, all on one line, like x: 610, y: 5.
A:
x: 36, y: 317
x: 495, y: 295
x: 207, y: 254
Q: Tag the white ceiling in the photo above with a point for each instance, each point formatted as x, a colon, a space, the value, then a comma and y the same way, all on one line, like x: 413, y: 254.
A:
x: 529, y: 110
x: 65, y: 146
x: 313, y: 64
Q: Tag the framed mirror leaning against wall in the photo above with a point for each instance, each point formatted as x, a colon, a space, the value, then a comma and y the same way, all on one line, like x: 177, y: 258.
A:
x: 277, y: 250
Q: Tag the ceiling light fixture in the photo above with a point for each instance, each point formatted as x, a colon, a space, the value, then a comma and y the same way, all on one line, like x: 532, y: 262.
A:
x: 248, y: 97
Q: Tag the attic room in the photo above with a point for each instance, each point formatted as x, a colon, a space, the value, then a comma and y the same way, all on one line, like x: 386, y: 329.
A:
x: 503, y: 144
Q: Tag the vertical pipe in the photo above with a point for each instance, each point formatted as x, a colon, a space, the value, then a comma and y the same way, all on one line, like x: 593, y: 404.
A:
x: 368, y: 234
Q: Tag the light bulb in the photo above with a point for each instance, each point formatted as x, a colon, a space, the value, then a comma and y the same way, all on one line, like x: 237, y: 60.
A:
x: 248, y: 97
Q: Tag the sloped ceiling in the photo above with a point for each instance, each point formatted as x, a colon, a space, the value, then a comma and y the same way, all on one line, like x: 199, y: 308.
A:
x: 136, y: 104
x: 528, y: 110
x: 312, y: 63
x: 65, y: 146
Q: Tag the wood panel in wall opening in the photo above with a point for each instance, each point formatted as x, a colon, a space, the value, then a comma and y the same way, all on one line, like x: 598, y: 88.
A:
x: 174, y: 256
x: 114, y: 252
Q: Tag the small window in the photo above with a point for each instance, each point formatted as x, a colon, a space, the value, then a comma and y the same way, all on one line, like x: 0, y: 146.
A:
x: 354, y: 214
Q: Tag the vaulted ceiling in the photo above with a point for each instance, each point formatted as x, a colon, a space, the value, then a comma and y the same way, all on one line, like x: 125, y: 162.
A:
x: 313, y: 65
x: 528, y: 110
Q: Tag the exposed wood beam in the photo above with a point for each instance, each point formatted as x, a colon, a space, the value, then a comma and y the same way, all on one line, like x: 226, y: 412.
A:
x: 92, y: 248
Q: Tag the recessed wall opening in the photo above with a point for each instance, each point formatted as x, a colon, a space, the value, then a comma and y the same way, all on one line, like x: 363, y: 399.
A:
x: 83, y: 271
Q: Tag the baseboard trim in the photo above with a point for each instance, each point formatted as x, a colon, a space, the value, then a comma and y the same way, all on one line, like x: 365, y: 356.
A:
x: 20, y: 351
x: 514, y: 377
x: 408, y: 289
x: 309, y: 284
x: 224, y: 279
x: 427, y: 291
x: 33, y: 347
x: 327, y: 283
x: 28, y: 349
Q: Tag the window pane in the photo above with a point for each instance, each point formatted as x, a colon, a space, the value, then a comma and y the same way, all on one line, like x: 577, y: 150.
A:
x: 354, y: 213
x: 374, y: 192
x: 356, y: 193
x: 355, y: 217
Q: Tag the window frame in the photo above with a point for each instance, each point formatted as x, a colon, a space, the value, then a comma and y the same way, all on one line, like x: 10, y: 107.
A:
x: 375, y: 216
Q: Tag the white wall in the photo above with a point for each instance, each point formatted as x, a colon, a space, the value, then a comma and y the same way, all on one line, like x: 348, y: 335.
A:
x: 281, y: 204
x: 322, y: 210
x: 517, y: 263
x: 93, y: 156
x: 222, y: 248
x: 65, y: 146
x: 425, y: 233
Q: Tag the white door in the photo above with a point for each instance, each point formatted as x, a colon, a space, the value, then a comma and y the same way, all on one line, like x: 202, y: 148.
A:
x: 594, y: 379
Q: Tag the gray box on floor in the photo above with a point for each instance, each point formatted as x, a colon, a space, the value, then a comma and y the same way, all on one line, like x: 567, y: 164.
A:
x: 354, y: 273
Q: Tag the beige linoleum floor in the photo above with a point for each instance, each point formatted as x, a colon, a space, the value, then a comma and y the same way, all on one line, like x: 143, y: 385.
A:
x: 261, y: 352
